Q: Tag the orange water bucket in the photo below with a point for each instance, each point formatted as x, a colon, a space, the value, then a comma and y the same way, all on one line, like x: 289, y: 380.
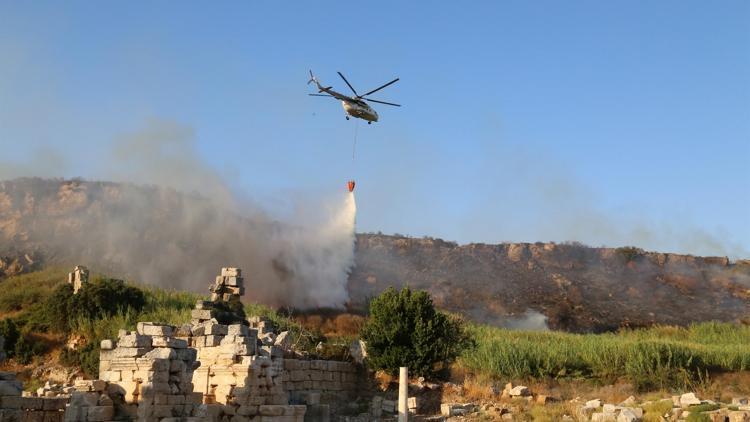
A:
x: 350, y: 185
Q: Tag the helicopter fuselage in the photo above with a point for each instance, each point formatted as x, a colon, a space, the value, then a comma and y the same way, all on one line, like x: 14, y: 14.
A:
x: 353, y: 106
x: 360, y: 109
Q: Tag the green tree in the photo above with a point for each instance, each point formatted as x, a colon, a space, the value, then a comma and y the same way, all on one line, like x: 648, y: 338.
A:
x: 405, y: 329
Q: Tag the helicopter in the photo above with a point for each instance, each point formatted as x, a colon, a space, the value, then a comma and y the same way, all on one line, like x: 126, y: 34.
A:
x: 353, y: 106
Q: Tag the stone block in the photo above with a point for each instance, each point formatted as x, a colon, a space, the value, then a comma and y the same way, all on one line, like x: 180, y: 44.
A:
x: 271, y: 410
x: 162, y: 411
x: 689, y: 399
x: 10, y: 388
x: 100, y: 413
x: 390, y: 407
x: 123, y: 364
x: 161, y: 353
x: 151, y: 329
x: 153, y: 364
x: 202, y: 314
x: 238, y: 330
x: 231, y: 272
x: 247, y: 410
x: 111, y: 376
x: 203, y: 304
x: 7, y: 375
x: 318, y: 364
x: 520, y: 391
x: 12, y: 402
x: 134, y: 340
x: 130, y: 352
x: 233, y: 281
x: 628, y: 415
x: 212, y: 329
x: 75, y: 414
x: 161, y: 341
x: 107, y: 344
x: 603, y: 417
x: 56, y: 403
x: 213, y: 341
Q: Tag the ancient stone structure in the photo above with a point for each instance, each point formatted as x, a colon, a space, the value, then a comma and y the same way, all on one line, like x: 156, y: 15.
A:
x: 203, y: 371
x: 229, y: 286
x: 15, y: 407
x: 149, y: 373
x: 78, y: 277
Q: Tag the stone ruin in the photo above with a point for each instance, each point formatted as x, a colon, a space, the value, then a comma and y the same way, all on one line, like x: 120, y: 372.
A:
x: 78, y: 277
x: 220, y: 367
x: 15, y: 407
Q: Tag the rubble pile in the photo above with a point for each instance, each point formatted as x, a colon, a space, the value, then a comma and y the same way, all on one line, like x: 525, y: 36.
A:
x: 90, y: 402
x: 50, y: 389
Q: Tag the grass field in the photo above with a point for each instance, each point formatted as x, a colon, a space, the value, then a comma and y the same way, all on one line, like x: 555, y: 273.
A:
x: 653, y: 358
x: 658, y: 357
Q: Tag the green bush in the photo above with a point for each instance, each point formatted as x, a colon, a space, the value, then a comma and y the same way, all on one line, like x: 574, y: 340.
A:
x: 27, y: 347
x: 98, y: 299
x: 87, y: 358
x: 405, y: 329
x: 9, y: 331
x: 105, y: 297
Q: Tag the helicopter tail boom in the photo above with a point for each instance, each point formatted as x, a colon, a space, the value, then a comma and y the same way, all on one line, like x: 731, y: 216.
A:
x: 317, y: 82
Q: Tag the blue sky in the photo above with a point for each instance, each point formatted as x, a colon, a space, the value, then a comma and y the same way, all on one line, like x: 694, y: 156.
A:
x: 610, y: 123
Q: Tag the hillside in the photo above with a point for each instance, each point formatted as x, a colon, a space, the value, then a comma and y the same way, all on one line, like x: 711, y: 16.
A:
x: 578, y: 288
x: 175, y: 240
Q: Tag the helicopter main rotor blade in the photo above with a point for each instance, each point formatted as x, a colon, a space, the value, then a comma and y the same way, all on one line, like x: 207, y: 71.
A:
x: 321, y: 95
x: 378, y: 89
x: 350, y: 85
x: 382, y: 102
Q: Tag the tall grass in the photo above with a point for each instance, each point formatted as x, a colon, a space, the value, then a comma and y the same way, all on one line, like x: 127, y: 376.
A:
x: 22, y: 291
x: 658, y: 357
x: 162, y: 306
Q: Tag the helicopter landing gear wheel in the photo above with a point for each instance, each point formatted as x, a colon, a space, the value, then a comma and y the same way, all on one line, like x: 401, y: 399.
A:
x: 369, y: 123
x: 347, y: 117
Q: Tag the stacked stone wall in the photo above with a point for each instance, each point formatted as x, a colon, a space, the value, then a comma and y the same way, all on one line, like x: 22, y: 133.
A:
x: 16, y: 408
x: 203, y: 371
x: 150, y: 372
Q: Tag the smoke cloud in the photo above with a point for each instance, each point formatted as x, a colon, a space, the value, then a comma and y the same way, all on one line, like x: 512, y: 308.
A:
x: 529, y: 320
x: 178, y: 230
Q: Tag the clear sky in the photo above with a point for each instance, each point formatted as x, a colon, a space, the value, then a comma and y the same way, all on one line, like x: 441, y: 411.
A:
x: 610, y: 123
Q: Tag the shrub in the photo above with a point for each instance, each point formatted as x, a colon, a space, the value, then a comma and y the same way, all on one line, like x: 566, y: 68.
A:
x: 98, y: 299
x: 9, y: 330
x: 87, y: 358
x: 405, y: 329
x: 104, y: 297
x: 27, y: 347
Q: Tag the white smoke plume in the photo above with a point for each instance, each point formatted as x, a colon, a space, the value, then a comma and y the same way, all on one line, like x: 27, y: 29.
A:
x: 174, y: 221
x: 529, y: 320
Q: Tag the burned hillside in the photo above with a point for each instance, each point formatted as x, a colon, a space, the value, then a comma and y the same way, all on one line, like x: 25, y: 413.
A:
x: 176, y: 240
